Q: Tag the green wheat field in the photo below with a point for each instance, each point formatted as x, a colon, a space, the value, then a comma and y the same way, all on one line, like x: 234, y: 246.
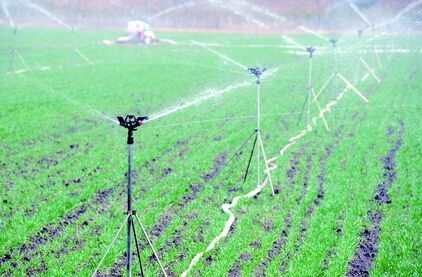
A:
x: 343, y: 196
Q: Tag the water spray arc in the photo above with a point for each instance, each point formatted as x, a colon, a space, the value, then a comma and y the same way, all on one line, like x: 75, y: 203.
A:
x: 75, y: 50
x: 172, y: 9
x: 359, y: 13
x: 131, y: 123
x: 334, y: 42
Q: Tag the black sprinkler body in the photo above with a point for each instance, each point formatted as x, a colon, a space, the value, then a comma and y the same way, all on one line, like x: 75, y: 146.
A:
x: 311, y: 51
x: 131, y: 122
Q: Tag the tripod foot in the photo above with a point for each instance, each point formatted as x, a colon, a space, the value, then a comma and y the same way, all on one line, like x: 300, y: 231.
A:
x: 150, y: 244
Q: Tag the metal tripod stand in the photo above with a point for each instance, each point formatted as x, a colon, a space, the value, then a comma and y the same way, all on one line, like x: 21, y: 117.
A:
x: 258, y: 140
x: 310, y: 91
x: 131, y: 123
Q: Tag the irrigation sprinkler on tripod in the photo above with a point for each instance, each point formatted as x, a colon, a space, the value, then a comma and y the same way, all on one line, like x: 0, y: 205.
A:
x: 13, y: 50
x: 369, y: 70
x: 333, y: 75
x: 333, y: 42
x: 257, y: 72
x: 377, y: 57
x: 73, y: 46
x: 389, y: 44
x: 359, y: 49
x: 309, y: 92
x: 131, y: 123
x: 258, y: 143
x: 15, y: 53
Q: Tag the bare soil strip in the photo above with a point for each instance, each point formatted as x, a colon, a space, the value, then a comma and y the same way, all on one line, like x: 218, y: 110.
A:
x: 279, y: 243
x: 367, y: 248
x: 316, y: 202
x: 276, y: 247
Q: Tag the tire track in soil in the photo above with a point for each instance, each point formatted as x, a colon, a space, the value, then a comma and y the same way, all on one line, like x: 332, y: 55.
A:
x: 282, y: 239
x: 219, y: 161
x: 276, y: 247
x: 294, y: 164
x: 176, y: 241
x: 367, y: 248
x: 339, y: 232
x: 234, y: 271
x: 52, y: 231
x: 315, y: 203
x: 168, y: 215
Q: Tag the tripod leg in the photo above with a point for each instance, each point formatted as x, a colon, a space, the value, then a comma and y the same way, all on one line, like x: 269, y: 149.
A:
x: 257, y: 160
x: 303, y: 108
x: 231, y: 159
x: 110, y: 246
x: 129, y: 248
x: 371, y: 71
x: 324, y: 86
x: 150, y: 244
x: 137, y: 248
x: 22, y: 60
x: 250, y: 159
x: 265, y: 161
x: 322, y: 114
x: 12, y: 60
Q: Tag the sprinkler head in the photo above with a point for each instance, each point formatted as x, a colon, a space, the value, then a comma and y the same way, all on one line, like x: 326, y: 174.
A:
x: 333, y: 42
x: 131, y: 123
x: 257, y: 71
x: 311, y: 51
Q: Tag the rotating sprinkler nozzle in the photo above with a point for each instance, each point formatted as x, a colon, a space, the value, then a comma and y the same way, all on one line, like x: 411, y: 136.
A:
x: 311, y: 51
